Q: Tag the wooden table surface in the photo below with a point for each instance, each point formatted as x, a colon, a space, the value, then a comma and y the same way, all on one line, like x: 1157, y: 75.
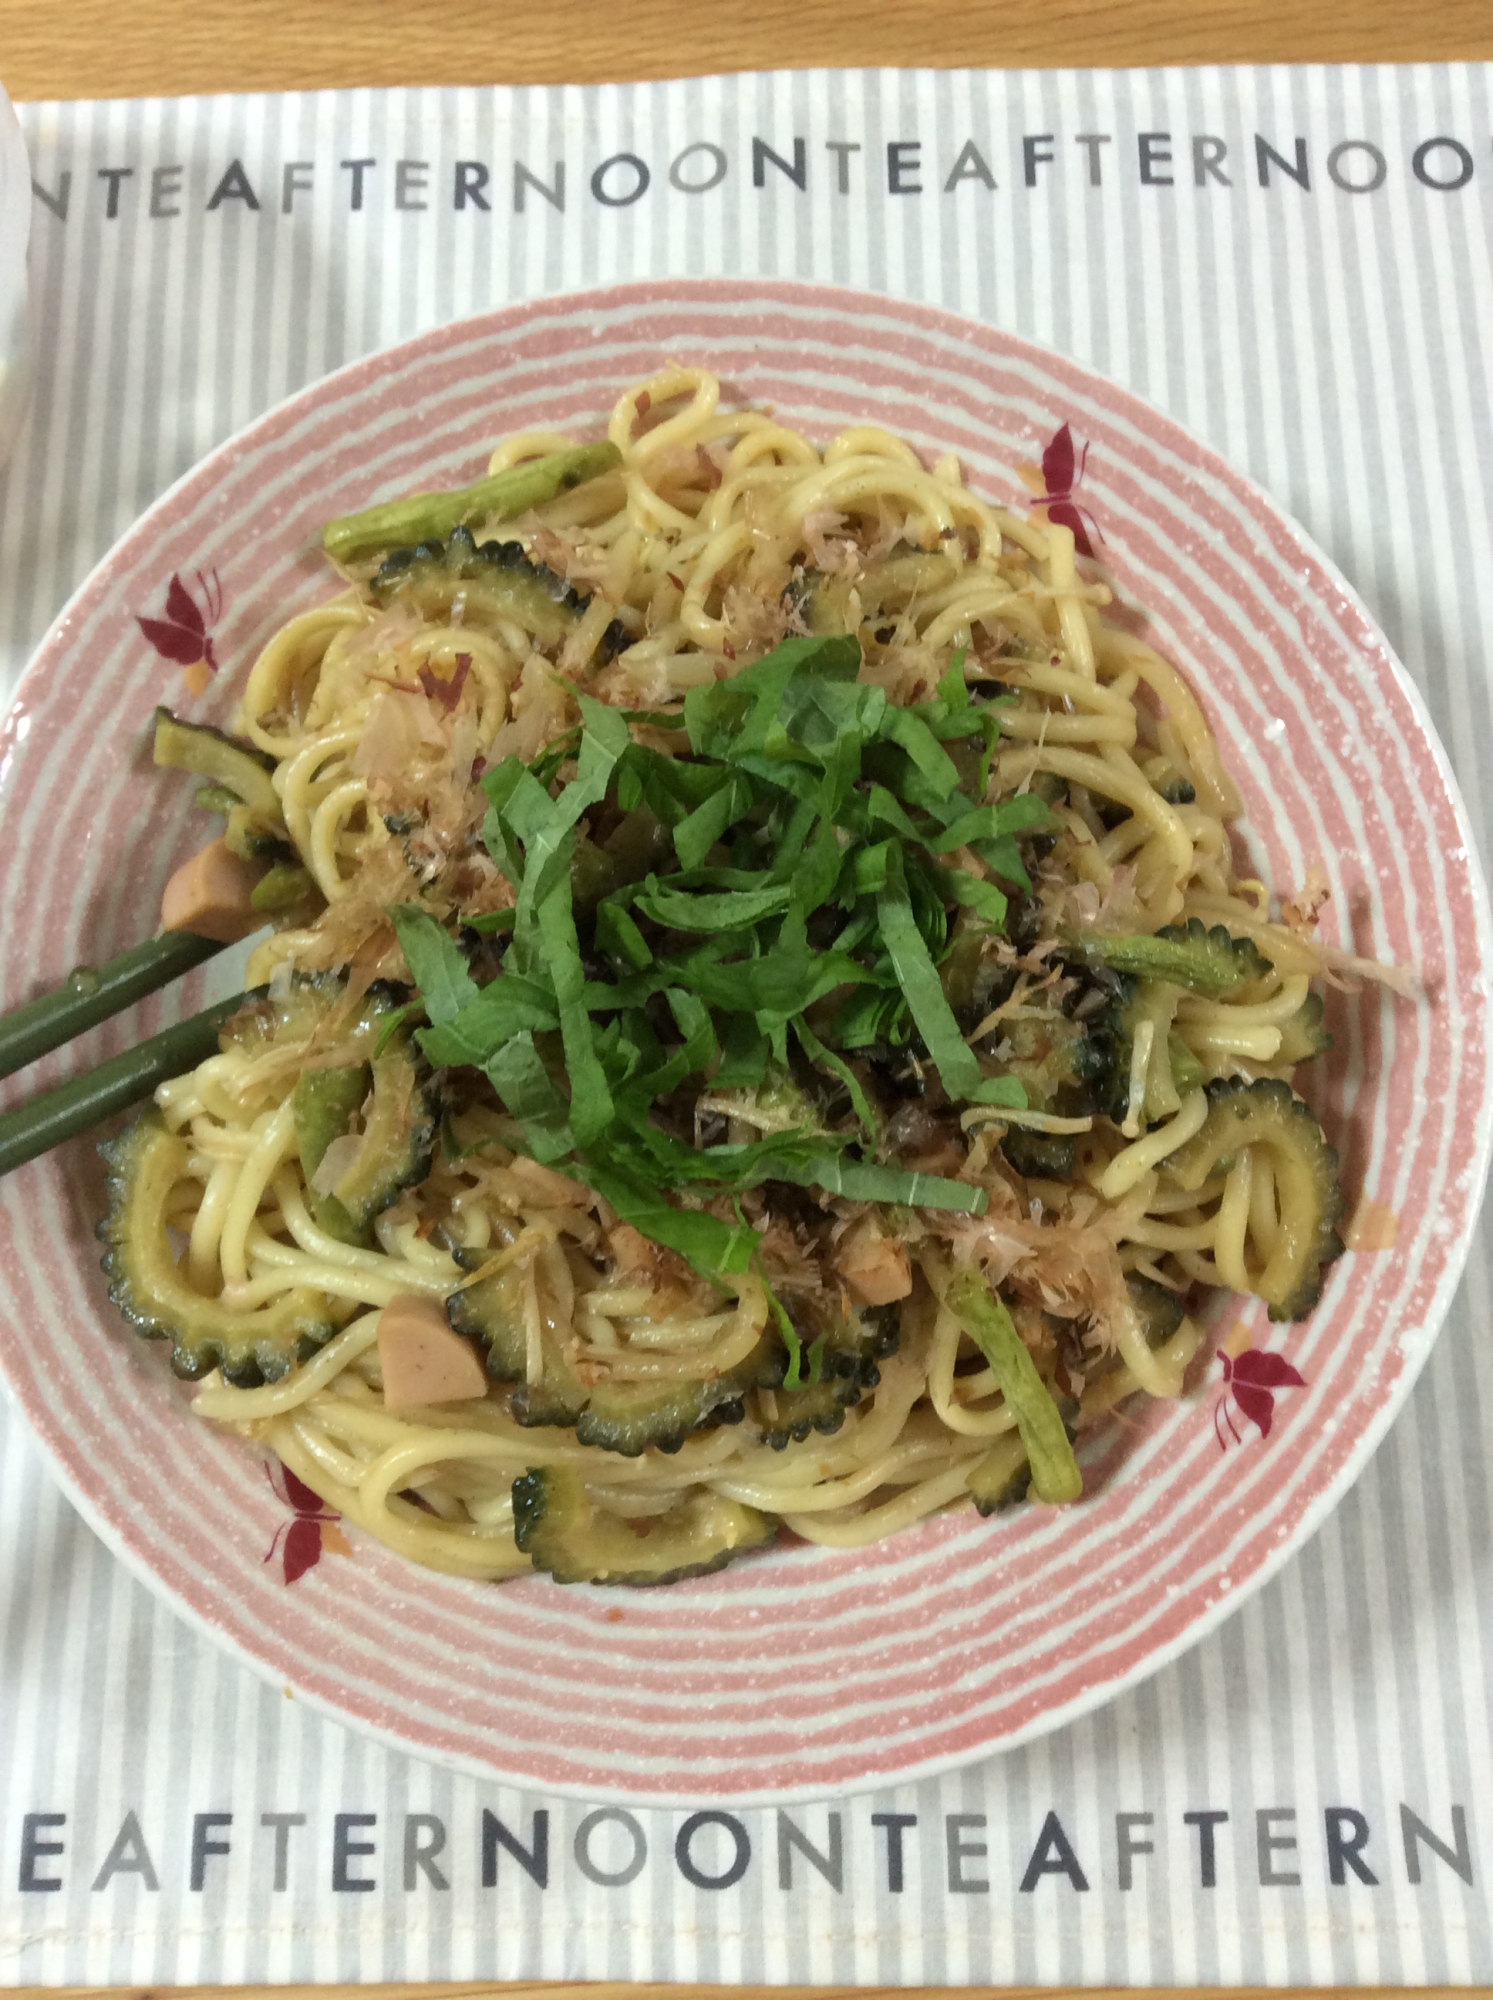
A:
x: 100, y: 48
x: 96, y: 48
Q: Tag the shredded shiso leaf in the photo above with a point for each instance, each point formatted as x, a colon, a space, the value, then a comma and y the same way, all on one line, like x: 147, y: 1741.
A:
x: 808, y: 816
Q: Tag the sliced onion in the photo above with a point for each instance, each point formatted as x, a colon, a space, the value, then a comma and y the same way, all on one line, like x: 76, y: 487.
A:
x: 390, y: 738
x: 336, y: 1162
x: 463, y: 750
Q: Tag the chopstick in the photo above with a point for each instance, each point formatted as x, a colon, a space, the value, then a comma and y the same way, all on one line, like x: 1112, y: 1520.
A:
x: 86, y: 1100
x: 86, y: 997
x: 90, y: 995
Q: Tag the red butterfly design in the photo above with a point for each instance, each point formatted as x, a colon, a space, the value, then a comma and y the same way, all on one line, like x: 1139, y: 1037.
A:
x: 182, y: 635
x: 305, y: 1537
x: 1062, y: 469
x: 1252, y: 1378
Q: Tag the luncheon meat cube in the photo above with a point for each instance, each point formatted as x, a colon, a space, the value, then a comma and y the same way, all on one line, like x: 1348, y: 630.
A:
x: 210, y: 895
x: 875, y: 1269
x: 422, y: 1359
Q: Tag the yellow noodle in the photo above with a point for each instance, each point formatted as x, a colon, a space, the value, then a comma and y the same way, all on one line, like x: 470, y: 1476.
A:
x: 706, y: 544
x: 1139, y: 1158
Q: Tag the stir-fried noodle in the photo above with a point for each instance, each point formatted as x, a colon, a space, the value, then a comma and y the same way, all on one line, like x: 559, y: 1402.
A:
x: 844, y: 1376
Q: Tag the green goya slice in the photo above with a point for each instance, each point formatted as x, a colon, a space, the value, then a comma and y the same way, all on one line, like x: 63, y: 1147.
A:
x: 848, y: 1372
x: 226, y: 763
x: 626, y: 1417
x: 389, y: 1086
x: 562, y: 1531
x: 1003, y: 1477
x: 1159, y: 1311
x: 496, y: 583
x: 146, y: 1283
x: 1267, y: 1113
x: 1206, y: 961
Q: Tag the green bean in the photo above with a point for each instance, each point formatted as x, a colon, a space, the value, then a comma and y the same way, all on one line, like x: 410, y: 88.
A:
x: 96, y: 1095
x: 1055, y: 1473
x: 90, y: 995
x: 430, y: 517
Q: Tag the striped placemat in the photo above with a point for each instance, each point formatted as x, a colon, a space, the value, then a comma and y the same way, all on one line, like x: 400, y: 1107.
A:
x: 1295, y: 264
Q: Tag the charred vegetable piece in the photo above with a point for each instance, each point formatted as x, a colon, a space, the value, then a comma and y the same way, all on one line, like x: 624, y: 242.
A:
x: 326, y: 1102
x: 965, y: 972
x: 399, y: 1130
x: 247, y: 834
x: 628, y: 1417
x: 820, y: 603
x: 561, y: 1530
x: 636, y: 846
x: 217, y: 799
x: 824, y: 604
x: 1187, y: 1071
x: 464, y: 1259
x: 400, y: 1113
x: 1102, y: 1060
x: 1112, y: 1083
x: 1040, y: 1156
x: 1304, y: 1036
x: 557, y: 1398
x: 1055, y: 1474
x: 625, y: 1417
x: 1167, y: 780
x: 1177, y: 790
x: 820, y: 1407
x: 501, y: 496
x: 1051, y: 1054
x: 1002, y: 1478
x: 1064, y: 1061
x: 492, y: 1311
x: 1062, y: 1065
x: 285, y: 886
x: 260, y: 1345
x: 496, y: 582
x: 1309, y: 1195
x: 1159, y: 1311
x: 1205, y: 961
x: 1174, y: 789
x: 847, y: 1375
x: 209, y: 753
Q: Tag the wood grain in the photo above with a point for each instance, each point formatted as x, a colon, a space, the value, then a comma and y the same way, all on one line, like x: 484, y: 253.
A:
x: 95, y: 48
x: 609, y: 1990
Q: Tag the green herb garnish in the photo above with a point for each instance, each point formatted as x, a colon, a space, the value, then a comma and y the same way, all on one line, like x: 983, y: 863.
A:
x: 808, y: 818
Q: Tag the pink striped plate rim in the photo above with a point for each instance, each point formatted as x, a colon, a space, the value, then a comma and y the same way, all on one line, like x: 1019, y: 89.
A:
x: 802, y: 1671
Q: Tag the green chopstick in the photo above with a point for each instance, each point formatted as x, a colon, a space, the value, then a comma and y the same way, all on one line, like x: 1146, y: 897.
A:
x: 87, y: 1100
x: 91, y: 994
